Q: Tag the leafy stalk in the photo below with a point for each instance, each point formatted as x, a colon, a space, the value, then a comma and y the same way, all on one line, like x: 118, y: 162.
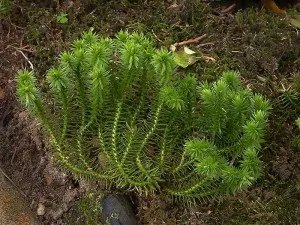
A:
x: 122, y: 114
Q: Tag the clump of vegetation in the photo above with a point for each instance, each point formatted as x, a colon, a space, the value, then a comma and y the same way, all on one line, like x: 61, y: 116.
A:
x: 4, y: 7
x: 62, y: 18
x: 288, y: 101
x: 90, y: 207
x: 289, y: 96
x: 120, y: 113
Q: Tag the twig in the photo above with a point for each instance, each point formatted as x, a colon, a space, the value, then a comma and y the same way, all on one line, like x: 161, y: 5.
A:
x: 11, y: 181
x: 156, y: 36
x: 30, y: 63
x: 15, y: 26
x: 229, y: 8
x: 26, y: 48
x: 92, y: 12
x: 205, y: 44
x: 20, y: 50
x: 191, y: 41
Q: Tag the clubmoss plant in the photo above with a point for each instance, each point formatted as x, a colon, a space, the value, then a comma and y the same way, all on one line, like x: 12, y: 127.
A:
x: 120, y: 113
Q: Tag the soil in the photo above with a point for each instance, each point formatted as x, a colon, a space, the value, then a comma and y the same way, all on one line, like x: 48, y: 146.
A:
x: 14, y: 208
x: 263, y: 47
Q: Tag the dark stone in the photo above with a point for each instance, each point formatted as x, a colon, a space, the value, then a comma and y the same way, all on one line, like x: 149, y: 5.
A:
x: 118, y: 210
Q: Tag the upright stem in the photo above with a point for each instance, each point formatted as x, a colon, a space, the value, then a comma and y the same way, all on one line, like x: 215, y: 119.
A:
x: 132, y: 132
x: 114, y: 151
x: 190, y: 190
x: 148, y: 135
x: 64, y: 159
x: 82, y: 99
x: 65, y: 114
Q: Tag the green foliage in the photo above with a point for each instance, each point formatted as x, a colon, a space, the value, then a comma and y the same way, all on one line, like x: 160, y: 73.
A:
x: 289, y: 96
x: 121, y: 114
x: 62, y: 18
x: 289, y: 101
x: 4, y: 6
x: 90, y: 207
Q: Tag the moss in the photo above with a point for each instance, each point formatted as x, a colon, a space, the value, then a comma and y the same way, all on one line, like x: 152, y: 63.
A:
x: 90, y: 207
x: 86, y: 211
x: 253, y: 41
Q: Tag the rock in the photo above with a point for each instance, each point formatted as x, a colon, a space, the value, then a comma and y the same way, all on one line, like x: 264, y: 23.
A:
x: 40, y: 210
x: 54, y: 176
x: 268, y: 195
x: 70, y: 195
x: 285, y: 171
x: 118, y: 210
x: 56, y: 214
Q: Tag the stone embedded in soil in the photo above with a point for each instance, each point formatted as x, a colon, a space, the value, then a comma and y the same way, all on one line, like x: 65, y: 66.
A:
x: 14, y: 209
x: 41, y: 209
x: 56, y: 214
x: 118, y: 210
x: 285, y: 171
x: 54, y: 176
x: 70, y: 195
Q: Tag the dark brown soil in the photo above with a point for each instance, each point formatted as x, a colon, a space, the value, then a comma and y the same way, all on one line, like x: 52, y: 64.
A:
x: 23, y: 154
x: 30, y: 36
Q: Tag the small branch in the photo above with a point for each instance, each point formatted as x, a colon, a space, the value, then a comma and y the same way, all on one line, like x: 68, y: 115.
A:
x: 30, y: 63
x: 11, y: 181
x: 24, y: 48
x: 21, y: 49
x: 229, y: 8
x: 156, y: 36
x: 205, y: 44
x: 15, y: 26
x: 191, y: 41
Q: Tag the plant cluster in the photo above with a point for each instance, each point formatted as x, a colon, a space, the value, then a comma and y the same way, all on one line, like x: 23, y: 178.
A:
x: 4, y: 6
x: 119, y: 112
x: 62, y: 18
x: 289, y: 101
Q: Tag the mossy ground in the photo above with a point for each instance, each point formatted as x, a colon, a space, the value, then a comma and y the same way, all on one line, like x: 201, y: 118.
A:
x: 263, y: 47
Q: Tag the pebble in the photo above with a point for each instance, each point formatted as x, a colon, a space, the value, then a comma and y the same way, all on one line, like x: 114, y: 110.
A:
x: 118, y: 210
x: 40, y: 210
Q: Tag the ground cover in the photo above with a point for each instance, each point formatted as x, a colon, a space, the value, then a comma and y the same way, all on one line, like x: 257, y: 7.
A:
x: 262, y: 46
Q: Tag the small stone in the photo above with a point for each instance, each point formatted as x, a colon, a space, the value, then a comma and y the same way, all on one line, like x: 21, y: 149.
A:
x: 40, y: 209
x: 268, y: 195
x: 56, y: 214
x: 70, y: 195
x: 118, y: 210
x: 54, y: 176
